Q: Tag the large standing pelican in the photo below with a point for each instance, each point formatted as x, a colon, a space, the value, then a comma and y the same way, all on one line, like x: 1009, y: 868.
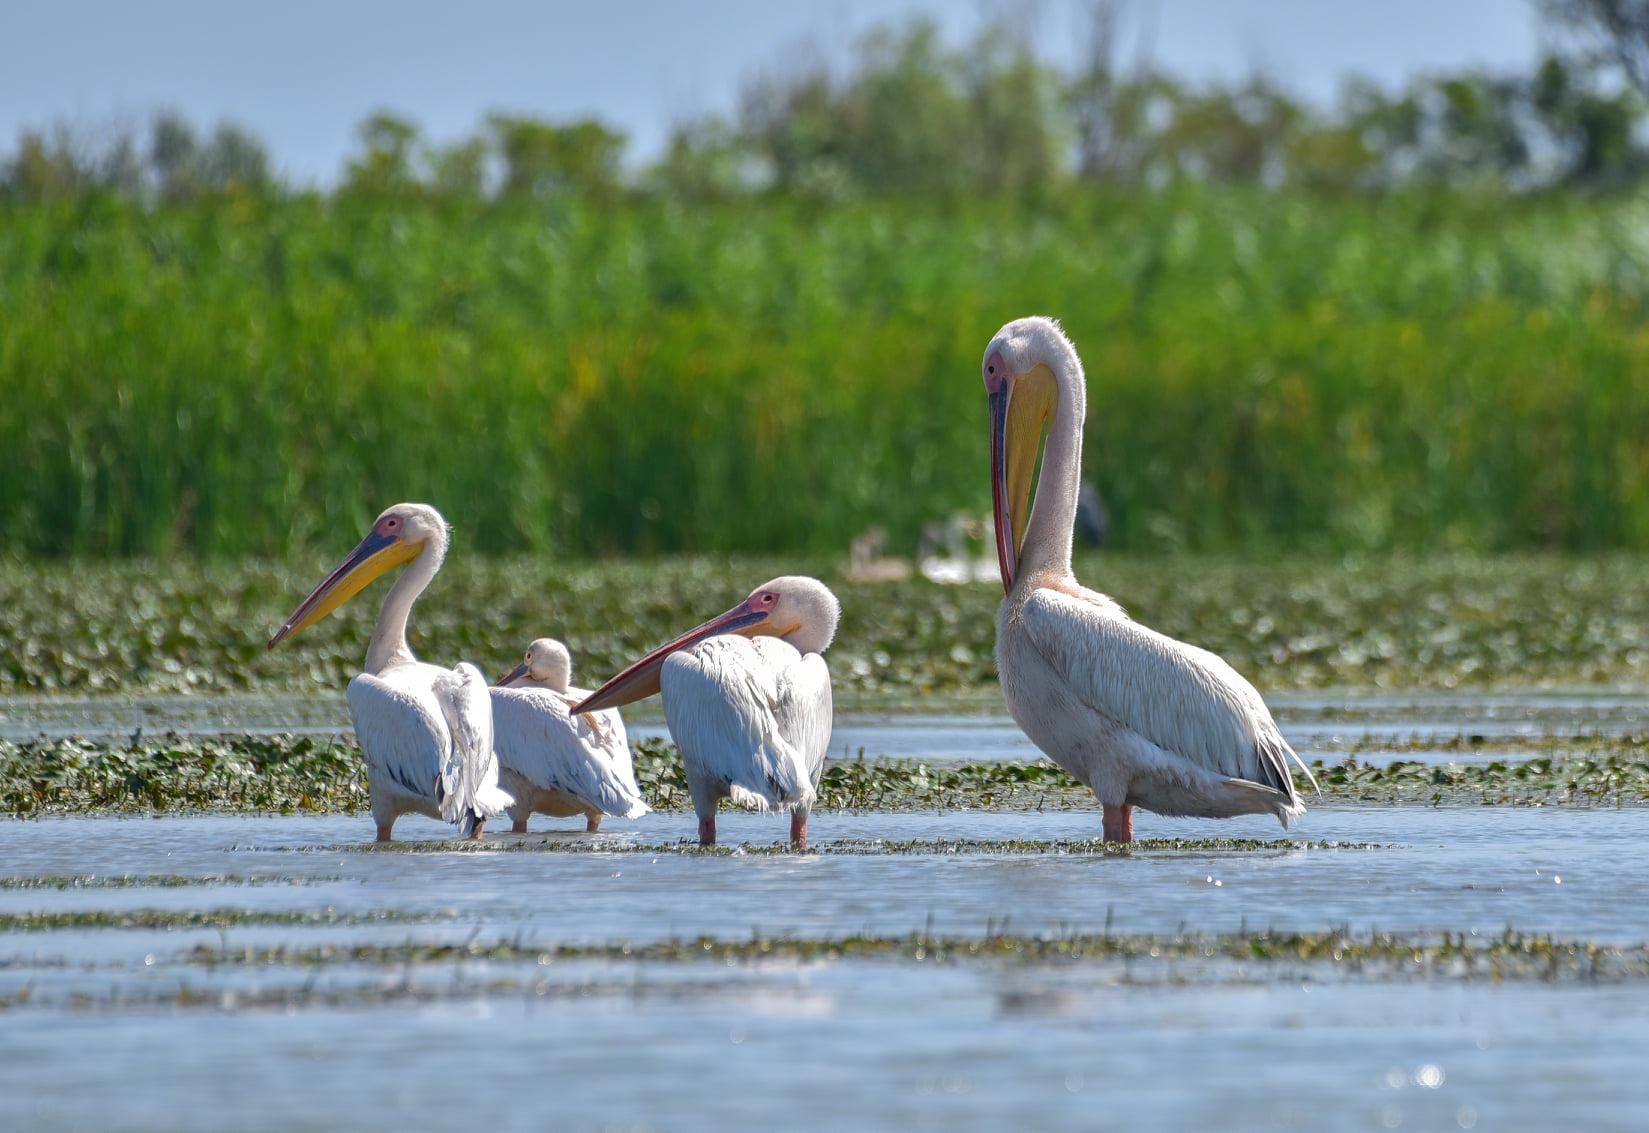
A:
x: 1142, y: 719
x: 747, y: 698
x: 426, y: 731
x: 552, y: 761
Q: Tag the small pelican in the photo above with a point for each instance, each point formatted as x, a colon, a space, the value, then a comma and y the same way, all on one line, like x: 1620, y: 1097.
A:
x: 747, y: 697
x: 553, y: 762
x: 426, y: 731
x: 1142, y: 719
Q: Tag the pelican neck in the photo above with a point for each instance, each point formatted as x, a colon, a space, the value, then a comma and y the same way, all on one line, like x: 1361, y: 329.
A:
x: 389, y: 648
x: 1045, y: 554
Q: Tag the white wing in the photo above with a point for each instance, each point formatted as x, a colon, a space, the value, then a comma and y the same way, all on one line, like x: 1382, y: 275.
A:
x: 804, y: 709
x: 608, y: 725
x: 588, y: 760
x: 723, y: 699
x: 1183, y: 699
x: 469, y: 791
x: 401, y: 729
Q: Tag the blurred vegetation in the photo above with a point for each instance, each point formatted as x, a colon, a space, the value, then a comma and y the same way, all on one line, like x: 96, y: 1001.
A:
x: 260, y: 376
x: 1412, y: 319
x: 1435, y: 622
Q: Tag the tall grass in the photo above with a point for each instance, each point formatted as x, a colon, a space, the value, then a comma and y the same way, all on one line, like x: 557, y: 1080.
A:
x: 1264, y: 370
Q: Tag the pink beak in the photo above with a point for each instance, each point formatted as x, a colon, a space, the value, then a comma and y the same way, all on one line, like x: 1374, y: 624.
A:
x: 642, y: 678
x: 1006, y: 559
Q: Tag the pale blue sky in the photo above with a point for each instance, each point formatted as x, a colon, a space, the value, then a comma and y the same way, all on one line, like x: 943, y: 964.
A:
x: 303, y: 73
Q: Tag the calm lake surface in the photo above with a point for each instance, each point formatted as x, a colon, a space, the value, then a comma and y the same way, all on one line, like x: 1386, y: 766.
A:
x: 125, y: 1028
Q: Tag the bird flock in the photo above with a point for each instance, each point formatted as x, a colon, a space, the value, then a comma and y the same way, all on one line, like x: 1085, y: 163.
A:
x: 1138, y: 717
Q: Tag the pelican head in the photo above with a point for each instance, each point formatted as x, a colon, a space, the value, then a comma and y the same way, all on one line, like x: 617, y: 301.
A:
x: 795, y: 608
x: 1031, y: 372
x: 398, y: 536
x: 547, y: 664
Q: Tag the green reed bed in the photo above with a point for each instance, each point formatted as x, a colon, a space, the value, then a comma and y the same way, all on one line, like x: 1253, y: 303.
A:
x: 239, y: 376
x: 1400, y: 622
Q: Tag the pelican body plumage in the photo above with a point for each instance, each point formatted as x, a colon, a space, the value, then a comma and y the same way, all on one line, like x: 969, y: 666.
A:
x: 747, y: 697
x: 426, y: 731
x: 552, y: 760
x: 1139, y: 717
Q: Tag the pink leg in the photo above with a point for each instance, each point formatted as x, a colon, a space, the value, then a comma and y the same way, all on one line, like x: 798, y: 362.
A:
x: 519, y: 826
x: 480, y: 829
x: 592, y: 821
x: 1119, y: 823
x: 707, y: 830
x: 798, y: 829
x: 383, y: 831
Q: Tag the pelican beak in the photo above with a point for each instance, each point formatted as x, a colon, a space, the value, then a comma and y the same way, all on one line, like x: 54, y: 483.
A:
x: 513, y: 675
x: 641, y: 679
x: 1020, y: 407
x: 375, y: 555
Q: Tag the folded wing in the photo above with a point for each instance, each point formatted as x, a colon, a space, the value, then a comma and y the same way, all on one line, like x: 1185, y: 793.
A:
x: 1184, y: 699
x: 804, y: 710
x: 585, y: 757
x: 402, y: 731
x: 734, y: 706
x: 468, y: 793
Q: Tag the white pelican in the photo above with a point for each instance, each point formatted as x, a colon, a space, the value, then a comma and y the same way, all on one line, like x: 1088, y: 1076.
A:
x: 551, y: 761
x: 747, y: 698
x: 1142, y: 719
x: 426, y: 731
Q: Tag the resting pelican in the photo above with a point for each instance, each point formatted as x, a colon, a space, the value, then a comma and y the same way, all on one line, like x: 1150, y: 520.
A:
x: 553, y: 762
x: 1142, y: 719
x: 426, y: 731
x: 747, y: 698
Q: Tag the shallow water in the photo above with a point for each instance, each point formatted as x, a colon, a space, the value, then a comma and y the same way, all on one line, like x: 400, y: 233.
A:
x: 863, y: 1042
x: 1560, y: 871
x: 858, y: 1047
x: 136, y: 1014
